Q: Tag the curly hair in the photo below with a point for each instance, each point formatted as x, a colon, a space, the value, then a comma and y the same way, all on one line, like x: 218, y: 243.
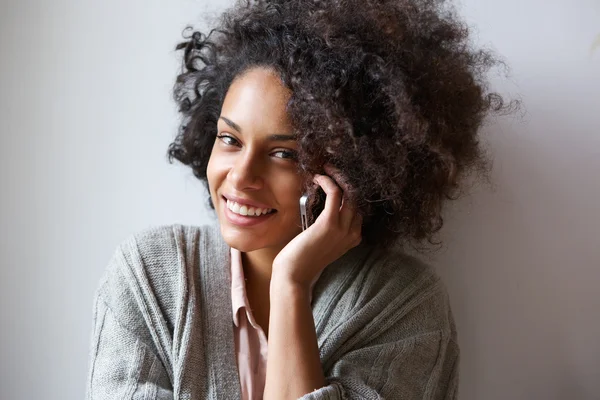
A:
x: 391, y: 92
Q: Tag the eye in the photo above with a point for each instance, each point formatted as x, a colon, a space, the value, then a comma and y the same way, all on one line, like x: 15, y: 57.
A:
x: 287, y: 155
x: 283, y: 154
x: 228, y: 140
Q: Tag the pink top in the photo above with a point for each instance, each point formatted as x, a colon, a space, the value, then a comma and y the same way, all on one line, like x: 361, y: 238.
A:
x: 250, y: 339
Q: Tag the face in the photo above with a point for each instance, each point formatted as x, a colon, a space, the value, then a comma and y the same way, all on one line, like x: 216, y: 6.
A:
x: 253, y: 165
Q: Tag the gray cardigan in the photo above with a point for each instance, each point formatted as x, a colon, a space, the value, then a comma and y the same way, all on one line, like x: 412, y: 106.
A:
x: 163, y: 329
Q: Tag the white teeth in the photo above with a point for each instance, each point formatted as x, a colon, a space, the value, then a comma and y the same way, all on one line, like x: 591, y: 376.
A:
x: 245, y: 210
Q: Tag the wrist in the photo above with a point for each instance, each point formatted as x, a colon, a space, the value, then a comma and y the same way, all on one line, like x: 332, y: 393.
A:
x: 282, y: 287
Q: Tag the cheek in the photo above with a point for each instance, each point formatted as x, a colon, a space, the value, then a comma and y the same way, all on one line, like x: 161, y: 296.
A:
x: 289, y: 194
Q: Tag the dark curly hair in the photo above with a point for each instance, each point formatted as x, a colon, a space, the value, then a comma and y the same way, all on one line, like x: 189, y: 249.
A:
x: 391, y: 92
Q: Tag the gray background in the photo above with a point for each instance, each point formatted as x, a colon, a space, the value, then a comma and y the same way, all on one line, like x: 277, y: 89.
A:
x: 85, y: 119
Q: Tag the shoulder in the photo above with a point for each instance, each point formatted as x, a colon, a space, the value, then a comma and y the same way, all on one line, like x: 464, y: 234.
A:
x: 163, y: 247
x: 157, y: 248
x: 395, y: 294
x: 155, y: 241
x: 417, y: 290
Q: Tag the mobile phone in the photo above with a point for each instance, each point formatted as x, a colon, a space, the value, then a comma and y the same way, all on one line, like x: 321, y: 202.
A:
x: 310, y: 210
x: 303, y: 211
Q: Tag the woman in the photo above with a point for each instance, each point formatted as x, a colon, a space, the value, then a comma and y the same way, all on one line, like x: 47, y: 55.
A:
x: 372, y: 108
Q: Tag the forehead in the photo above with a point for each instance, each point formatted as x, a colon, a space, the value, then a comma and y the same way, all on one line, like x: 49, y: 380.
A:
x: 257, y: 101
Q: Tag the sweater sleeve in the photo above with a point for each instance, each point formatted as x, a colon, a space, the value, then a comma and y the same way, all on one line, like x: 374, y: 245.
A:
x: 121, y: 365
x: 124, y: 360
x: 420, y: 367
x: 399, y: 338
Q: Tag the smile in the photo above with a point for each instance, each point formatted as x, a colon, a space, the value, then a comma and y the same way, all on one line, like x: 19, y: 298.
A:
x: 244, y: 215
x: 246, y: 210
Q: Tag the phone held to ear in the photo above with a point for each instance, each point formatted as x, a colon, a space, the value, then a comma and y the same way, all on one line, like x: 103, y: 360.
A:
x: 303, y: 213
x: 316, y: 205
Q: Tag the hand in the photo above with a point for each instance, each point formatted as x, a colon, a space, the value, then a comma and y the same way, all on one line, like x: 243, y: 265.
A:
x: 337, y: 229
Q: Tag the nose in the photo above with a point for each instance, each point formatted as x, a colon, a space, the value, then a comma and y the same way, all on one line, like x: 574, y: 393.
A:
x: 245, y: 174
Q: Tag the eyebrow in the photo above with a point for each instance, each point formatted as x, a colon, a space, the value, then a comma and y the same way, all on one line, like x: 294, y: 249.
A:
x: 274, y: 138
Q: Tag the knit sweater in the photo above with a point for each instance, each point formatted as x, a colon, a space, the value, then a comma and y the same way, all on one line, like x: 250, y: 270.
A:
x: 162, y: 323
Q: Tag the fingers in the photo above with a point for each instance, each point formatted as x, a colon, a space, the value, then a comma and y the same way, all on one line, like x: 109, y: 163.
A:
x: 338, y: 209
x: 333, y: 199
x: 347, y: 210
x: 347, y: 213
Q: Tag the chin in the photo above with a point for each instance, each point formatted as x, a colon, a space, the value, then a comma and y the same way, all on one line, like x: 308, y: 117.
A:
x: 237, y: 240
x: 246, y: 243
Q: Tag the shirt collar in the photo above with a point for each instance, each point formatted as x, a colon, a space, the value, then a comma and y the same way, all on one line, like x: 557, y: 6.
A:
x: 238, y: 285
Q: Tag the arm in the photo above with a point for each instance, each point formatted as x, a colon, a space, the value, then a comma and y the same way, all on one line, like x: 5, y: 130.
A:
x: 123, y: 361
x: 419, y: 367
x: 293, y: 364
x: 415, y: 357
x: 423, y: 365
x: 121, y: 365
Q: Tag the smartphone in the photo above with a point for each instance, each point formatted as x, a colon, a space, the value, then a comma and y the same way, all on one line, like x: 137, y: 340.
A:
x: 303, y: 211
x: 310, y: 210
x: 311, y: 206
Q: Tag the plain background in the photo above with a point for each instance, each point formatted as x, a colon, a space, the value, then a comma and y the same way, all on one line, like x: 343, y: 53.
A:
x: 85, y: 119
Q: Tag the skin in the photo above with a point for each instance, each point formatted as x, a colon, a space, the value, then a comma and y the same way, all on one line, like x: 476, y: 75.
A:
x: 280, y: 261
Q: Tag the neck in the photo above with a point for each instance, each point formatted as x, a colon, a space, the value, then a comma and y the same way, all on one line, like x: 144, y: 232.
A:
x: 258, y: 269
x: 258, y: 266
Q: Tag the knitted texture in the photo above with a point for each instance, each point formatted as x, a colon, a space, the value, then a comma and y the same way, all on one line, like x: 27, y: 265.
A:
x: 162, y: 323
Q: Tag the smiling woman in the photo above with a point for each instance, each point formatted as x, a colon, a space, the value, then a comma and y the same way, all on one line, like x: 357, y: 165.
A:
x: 375, y: 104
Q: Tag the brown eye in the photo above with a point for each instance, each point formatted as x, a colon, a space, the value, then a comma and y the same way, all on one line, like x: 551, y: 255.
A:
x: 228, y: 140
x: 287, y: 155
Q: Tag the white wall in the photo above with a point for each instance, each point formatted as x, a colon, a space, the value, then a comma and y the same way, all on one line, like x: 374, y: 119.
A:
x: 85, y: 119
x: 523, y: 262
